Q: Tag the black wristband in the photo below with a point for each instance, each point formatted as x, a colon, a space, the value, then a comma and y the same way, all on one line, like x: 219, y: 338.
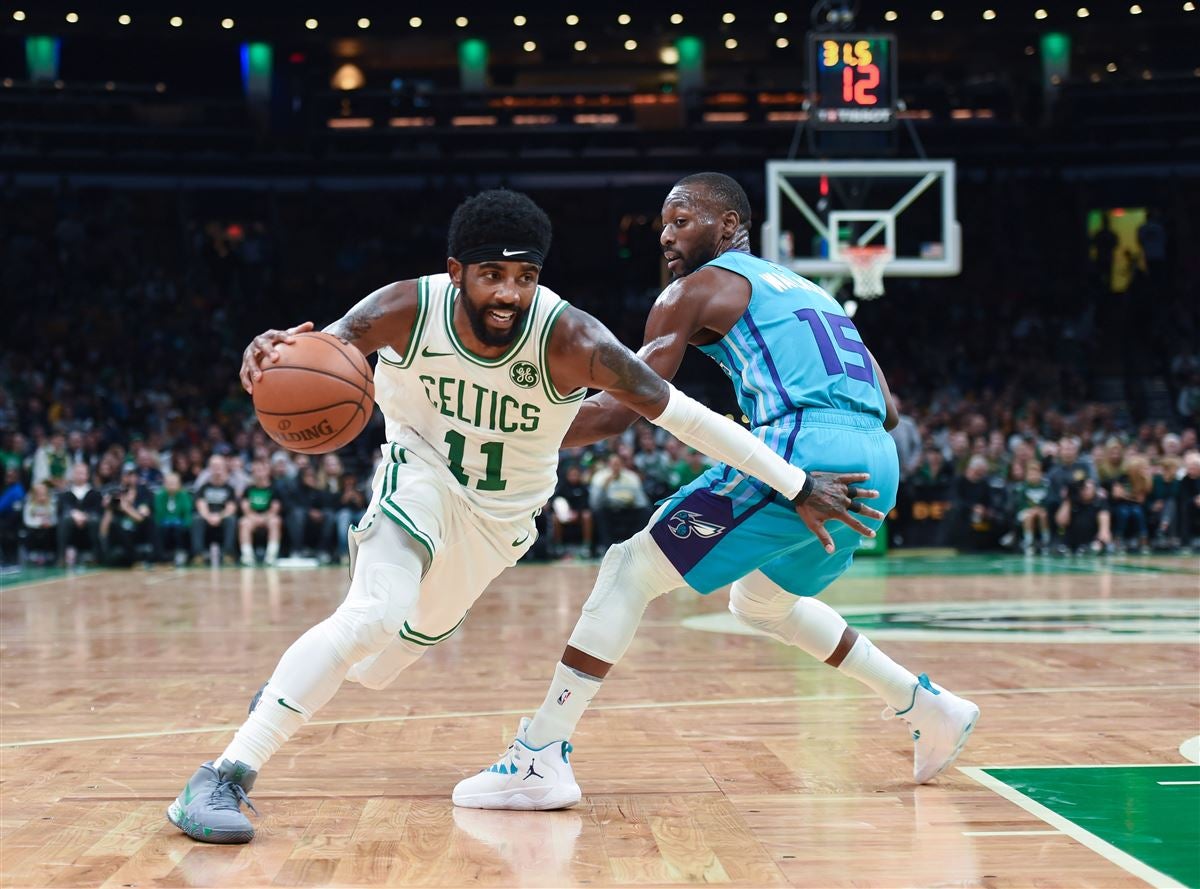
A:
x: 806, y: 490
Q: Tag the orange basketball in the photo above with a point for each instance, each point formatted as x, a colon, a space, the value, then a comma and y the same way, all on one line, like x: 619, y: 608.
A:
x: 317, y: 397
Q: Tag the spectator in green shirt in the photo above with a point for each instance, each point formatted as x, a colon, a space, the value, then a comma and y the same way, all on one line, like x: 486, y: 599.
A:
x: 260, y: 509
x: 173, y: 518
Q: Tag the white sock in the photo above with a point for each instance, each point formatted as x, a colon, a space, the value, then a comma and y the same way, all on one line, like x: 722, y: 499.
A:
x: 569, y: 695
x: 880, y: 673
x: 272, y: 550
x: 247, y: 552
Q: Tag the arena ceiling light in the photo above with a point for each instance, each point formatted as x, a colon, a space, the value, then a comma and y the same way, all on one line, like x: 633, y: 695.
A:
x: 989, y: 15
x: 364, y: 23
x: 1135, y: 10
x: 891, y: 15
x: 123, y: 19
x: 72, y: 17
x: 781, y: 42
x: 1189, y: 6
x: 668, y: 55
x: 529, y: 46
x: 676, y: 18
x: 462, y: 21
x: 1040, y: 14
x: 415, y: 22
x: 731, y: 43
x: 1082, y: 12
x: 624, y: 18
x: 780, y: 18
x: 572, y: 20
x: 227, y: 23
x: 631, y: 45
x: 311, y: 24
x: 18, y: 15
x: 176, y: 21
x: 580, y: 45
x: 1111, y: 67
x: 729, y: 18
x: 519, y: 21
x: 937, y: 15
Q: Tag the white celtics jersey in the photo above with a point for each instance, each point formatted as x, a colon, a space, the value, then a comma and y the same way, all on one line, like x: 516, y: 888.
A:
x: 493, y: 424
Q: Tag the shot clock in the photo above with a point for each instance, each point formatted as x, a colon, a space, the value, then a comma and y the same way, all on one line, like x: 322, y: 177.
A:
x: 853, y: 80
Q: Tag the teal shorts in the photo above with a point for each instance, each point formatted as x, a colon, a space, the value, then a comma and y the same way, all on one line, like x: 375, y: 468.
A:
x: 724, y: 524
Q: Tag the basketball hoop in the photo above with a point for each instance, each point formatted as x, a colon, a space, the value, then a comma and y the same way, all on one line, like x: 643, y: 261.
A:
x: 867, y: 263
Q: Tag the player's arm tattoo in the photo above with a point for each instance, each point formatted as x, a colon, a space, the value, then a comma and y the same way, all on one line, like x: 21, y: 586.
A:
x: 358, y: 323
x: 615, y: 369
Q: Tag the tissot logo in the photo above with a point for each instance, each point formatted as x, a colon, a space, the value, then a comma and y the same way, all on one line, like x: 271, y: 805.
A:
x: 315, y: 431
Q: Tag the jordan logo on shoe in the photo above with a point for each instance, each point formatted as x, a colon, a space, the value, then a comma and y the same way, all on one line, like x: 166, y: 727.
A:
x: 531, y: 773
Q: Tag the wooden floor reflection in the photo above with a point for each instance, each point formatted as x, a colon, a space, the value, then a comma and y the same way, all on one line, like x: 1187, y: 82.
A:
x: 708, y: 757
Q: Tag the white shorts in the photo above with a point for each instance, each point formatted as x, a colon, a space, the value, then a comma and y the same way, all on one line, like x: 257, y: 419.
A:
x: 466, y: 552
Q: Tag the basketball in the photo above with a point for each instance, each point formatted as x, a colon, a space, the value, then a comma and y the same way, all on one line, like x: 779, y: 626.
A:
x: 317, y: 397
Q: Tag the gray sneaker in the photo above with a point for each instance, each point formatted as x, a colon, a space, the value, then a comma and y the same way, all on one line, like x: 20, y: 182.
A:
x: 210, y: 807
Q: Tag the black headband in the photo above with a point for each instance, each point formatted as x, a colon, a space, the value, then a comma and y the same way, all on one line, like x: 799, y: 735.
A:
x: 501, y: 253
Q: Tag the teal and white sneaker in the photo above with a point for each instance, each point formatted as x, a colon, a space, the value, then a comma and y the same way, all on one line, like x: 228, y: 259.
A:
x: 523, y: 778
x: 940, y: 723
x: 210, y: 807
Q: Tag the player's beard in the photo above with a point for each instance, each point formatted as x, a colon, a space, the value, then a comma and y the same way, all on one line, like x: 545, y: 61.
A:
x: 477, y: 318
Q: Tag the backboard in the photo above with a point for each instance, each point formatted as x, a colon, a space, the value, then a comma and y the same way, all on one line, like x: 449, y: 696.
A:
x: 815, y: 209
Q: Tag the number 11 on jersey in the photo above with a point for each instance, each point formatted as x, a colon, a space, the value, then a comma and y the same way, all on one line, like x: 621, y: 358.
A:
x: 493, y: 450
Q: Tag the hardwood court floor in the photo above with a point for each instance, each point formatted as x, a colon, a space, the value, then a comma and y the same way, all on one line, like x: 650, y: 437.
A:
x: 708, y: 757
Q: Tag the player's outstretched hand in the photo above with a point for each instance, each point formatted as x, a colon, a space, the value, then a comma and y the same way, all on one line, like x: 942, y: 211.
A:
x: 262, y: 349
x: 835, y: 495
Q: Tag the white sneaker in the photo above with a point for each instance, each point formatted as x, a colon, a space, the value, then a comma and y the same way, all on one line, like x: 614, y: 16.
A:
x: 523, y: 778
x: 940, y: 722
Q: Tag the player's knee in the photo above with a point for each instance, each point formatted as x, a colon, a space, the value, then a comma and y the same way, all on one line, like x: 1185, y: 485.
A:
x: 766, y: 613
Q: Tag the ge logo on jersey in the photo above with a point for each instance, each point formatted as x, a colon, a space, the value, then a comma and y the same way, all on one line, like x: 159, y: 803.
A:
x: 524, y: 374
x: 685, y: 524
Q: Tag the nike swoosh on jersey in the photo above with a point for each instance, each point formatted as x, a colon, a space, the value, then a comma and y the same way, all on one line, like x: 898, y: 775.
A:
x: 425, y: 353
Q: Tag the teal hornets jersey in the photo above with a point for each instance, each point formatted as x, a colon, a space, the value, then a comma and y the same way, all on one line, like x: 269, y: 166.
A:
x: 794, y: 348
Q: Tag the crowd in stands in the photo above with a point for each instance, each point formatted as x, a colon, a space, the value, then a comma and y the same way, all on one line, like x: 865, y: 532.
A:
x: 126, y: 439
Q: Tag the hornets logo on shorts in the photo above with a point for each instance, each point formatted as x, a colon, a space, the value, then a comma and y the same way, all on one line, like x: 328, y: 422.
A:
x: 685, y: 523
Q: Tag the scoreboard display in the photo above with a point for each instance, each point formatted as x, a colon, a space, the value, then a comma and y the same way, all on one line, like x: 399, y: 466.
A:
x: 853, y: 81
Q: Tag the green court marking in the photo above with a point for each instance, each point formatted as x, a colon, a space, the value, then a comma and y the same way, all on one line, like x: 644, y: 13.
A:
x: 26, y: 576
x: 1149, y: 813
x: 908, y: 563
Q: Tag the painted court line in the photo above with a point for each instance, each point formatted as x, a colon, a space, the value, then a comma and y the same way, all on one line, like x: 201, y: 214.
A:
x: 1070, y: 828
x: 1179, y: 783
x: 652, y: 705
x: 1011, y: 833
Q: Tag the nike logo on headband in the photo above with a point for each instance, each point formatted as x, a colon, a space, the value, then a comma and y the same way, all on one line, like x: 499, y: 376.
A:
x: 508, y: 252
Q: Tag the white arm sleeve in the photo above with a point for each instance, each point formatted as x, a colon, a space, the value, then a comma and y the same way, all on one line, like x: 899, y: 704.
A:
x: 724, y: 440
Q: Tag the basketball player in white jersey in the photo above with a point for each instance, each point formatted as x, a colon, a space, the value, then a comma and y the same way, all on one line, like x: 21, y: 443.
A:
x: 481, y: 372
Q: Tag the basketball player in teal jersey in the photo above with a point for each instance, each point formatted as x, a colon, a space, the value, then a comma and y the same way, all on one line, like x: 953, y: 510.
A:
x: 813, y: 394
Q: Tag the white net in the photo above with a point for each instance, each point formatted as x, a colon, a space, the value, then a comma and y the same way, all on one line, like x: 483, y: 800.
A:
x: 867, y: 265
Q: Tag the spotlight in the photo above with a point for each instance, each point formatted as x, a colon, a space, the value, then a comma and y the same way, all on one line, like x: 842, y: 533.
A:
x: 519, y: 21
x: 624, y: 19
x: 176, y: 22
x: 631, y: 44
x: 462, y: 21
x: 989, y: 15
x: 937, y: 15
x: 731, y: 43
x: 580, y: 45
x: 891, y: 15
x: 311, y: 24
x: 572, y: 20
x: 123, y: 19
x: 1082, y: 12
x: 72, y: 17
x: 668, y: 55
x: 227, y: 23
x: 676, y: 18
x: 364, y: 23
x: 529, y: 46
x: 780, y: 18
x: 18, y: 15
x: 415, y: 22
x: 1040, y: 14
x: 729, y: 18
x: 782, y: 42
